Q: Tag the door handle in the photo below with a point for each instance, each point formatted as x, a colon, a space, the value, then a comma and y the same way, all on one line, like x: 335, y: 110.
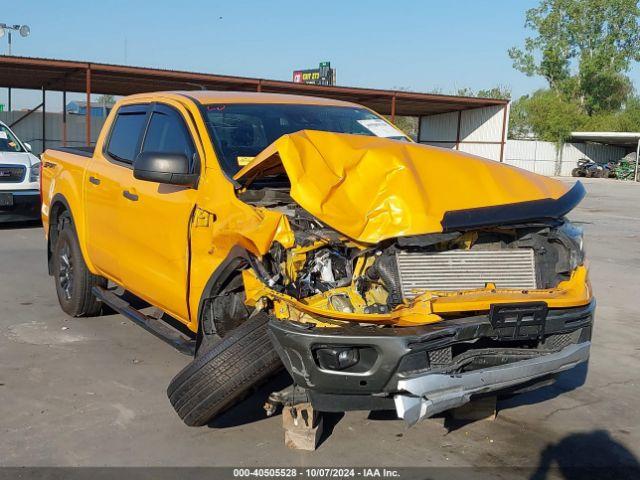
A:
x: 94, y: 180
x: 130, y: 196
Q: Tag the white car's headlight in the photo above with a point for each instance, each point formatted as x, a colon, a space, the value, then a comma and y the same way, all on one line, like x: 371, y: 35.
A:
x: 34, y: 172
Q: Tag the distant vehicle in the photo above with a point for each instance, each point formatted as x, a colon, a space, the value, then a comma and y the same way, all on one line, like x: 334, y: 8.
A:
x: 588, y: 168
x: 19, y: 179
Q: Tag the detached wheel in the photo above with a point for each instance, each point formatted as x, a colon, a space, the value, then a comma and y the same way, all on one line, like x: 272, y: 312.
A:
x: 73, y: 279
x: 224, y: 373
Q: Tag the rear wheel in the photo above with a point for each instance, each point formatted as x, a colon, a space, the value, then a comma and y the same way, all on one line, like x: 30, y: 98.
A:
x: 73, y: 279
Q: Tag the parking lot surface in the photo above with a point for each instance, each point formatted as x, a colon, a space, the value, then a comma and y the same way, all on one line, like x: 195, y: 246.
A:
x: 91, y: 391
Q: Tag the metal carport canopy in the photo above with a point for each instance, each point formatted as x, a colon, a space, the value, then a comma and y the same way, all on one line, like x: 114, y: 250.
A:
x: 622, y: 139
x: 77, y: 76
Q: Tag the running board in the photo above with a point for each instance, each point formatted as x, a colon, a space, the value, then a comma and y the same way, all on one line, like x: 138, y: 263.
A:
x: 160, y: 329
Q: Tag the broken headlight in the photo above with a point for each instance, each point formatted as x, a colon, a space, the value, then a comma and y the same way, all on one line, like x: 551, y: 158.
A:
x: 575, y: 236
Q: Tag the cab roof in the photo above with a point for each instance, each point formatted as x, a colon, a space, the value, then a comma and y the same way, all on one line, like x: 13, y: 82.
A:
x: 208, y: 97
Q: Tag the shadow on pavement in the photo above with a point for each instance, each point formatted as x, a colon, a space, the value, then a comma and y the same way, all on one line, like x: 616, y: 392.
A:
x: 565, y: 382
x: 329, y: 422
x: 20, y: 225
x: 251, y: 408
x: 583, y: 456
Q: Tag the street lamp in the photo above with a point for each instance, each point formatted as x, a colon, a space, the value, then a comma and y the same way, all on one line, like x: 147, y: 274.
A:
x: 24, y: 31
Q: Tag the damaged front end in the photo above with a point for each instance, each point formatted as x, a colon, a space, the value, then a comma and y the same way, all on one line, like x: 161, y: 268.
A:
x: 425, y: 316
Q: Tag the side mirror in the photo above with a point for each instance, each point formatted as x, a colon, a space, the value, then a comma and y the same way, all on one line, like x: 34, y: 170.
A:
x: 170, y: 168
x: 27, y: 146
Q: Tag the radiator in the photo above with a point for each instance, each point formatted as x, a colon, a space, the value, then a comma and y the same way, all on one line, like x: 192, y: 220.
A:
x: 465, y: 270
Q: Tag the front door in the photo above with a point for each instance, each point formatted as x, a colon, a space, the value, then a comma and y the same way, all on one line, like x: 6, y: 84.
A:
x: 104, y: 177
x: 155, y: 219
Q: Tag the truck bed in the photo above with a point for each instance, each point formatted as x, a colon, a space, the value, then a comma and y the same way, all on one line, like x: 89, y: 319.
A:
x: 82, y: 151
x: 65, y: 168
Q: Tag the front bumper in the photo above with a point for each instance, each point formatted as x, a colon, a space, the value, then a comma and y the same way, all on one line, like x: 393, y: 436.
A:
x: 426, y: 395
x: 26, y: 206
x: 421, y: 371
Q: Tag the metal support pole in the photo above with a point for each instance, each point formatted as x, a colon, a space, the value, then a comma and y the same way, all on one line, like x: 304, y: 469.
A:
x: 64, y: 118
x: 504, y: 132
x: 9, y: 102
x: 9, y: 32
x: 259, y: 87
x: 635, y: 173
x: 419, y: 128
x: 15, y: 122
x: 393, y: 108
x: 44, y: 120
x: 88, y: 112
x: 458, y: 130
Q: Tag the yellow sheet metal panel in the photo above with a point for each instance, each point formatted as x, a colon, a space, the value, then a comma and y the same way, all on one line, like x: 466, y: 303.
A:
x: 371, y: 189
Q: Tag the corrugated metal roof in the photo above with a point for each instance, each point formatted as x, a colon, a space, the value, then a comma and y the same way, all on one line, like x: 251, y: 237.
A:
x: 55, y: 74
x: 610, y: 138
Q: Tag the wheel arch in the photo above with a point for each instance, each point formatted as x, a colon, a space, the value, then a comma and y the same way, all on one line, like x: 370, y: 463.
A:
x: 59, y: 205
x: 238, y: 259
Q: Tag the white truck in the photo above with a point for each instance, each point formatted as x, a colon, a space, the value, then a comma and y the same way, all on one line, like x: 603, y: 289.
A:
x: 19, y: 179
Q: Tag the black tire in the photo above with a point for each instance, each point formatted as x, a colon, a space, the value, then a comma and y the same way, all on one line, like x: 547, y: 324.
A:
x: 577, y: 172
x: 73, y: 279
x: 225, y: 373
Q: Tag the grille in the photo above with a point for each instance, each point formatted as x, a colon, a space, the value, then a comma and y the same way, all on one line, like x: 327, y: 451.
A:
x: 465, y: 270
x: 12, y: 173
x: 561, y: 340
x: 441, y: 357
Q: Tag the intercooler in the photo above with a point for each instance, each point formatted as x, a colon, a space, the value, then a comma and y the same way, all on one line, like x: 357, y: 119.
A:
x: 465, y: 270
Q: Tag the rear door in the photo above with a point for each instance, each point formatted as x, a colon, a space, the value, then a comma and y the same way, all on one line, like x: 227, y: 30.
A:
x: 155, y: 219
x: 106, y: 174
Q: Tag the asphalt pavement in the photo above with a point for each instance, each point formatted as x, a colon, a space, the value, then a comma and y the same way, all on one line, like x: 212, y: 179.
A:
x: 91, y: 391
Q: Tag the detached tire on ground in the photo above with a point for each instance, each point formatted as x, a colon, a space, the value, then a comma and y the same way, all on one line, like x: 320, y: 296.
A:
x: 225, y: 373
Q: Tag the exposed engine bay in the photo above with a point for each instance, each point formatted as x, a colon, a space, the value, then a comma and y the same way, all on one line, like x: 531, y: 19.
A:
x: 327, y: 278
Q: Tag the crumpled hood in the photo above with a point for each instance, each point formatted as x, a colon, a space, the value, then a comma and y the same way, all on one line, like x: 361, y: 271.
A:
x: 371, y: 188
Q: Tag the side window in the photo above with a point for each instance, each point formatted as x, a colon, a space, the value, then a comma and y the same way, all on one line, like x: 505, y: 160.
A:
x: 167, y: 133
x: 126, y: 132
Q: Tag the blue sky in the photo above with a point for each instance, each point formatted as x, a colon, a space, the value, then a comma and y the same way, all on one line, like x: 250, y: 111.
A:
x: 417, y: 45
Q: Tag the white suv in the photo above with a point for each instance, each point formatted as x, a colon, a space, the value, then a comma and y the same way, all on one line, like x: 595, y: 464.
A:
x: 19, y: 179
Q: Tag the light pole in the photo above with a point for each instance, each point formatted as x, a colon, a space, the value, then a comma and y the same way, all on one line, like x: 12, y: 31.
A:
x: 24, y: 31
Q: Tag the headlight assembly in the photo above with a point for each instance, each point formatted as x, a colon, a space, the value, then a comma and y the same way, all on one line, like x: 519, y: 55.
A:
x: 575, y: 235
x: 34, y: 172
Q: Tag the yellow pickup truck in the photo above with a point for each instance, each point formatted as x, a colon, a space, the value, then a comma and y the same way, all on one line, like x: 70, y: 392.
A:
x: 255, y: 230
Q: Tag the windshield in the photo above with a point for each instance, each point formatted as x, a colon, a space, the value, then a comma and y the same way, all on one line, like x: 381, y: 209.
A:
x: 8, y: 141
x: 241, y: 131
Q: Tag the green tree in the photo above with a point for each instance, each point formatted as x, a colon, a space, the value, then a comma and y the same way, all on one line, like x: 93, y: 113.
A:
x: 583, y: 49
x: 519, y: 127
x: 106, y: 100
x: 549, y: 115
x: 499, y: 91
